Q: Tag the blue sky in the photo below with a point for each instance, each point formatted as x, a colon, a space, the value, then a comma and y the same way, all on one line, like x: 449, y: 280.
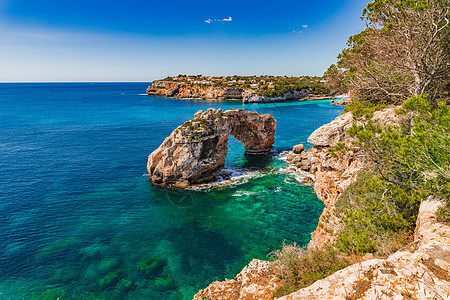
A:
x: 135, y: 40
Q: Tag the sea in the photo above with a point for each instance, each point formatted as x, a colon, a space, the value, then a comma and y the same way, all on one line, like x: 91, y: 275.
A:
x: 79, y: 218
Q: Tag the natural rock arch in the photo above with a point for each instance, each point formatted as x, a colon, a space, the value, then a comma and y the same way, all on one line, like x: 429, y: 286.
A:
x: 195, y: 151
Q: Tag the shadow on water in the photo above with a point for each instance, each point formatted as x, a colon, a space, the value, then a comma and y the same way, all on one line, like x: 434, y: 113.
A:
x: 256, y: 161
x: 200, y: 246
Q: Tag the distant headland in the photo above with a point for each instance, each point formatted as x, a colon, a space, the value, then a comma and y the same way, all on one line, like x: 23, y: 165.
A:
x: 249, y: 89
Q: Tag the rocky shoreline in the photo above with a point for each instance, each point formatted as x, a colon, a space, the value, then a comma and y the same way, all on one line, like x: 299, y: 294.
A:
x: 423, y: 268
x: 180, y: 90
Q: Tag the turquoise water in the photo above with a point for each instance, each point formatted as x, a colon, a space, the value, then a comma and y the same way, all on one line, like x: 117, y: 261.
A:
x: 79, y: 218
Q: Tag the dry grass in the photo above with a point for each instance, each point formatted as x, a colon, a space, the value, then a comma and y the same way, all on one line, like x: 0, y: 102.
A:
x: 299, y: 268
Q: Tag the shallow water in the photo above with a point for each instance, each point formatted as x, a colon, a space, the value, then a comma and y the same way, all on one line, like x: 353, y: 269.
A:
x: 79, y: 217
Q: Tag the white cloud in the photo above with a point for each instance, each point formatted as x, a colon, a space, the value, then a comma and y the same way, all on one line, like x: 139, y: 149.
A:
x: 209, y: 21
x: 305, y: 26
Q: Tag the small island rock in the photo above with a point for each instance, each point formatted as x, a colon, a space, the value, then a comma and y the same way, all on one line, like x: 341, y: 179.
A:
x: 195, y: 151
x: 298, y: 149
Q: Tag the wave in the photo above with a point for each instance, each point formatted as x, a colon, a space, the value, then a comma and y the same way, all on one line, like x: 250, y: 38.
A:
x: 291, y: 169
x: 230, y: 182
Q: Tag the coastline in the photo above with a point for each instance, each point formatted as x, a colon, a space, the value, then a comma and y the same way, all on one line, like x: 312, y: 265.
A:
x: 331, y: 177
x: 207, y: 90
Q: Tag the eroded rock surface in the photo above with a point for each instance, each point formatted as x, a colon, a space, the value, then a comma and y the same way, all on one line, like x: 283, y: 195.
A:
x: 255, y: 282
x: 195, y: 151
x: 196, y: 91
x: 344, y: 101
x: 193, y: 91
x: 333, y: 174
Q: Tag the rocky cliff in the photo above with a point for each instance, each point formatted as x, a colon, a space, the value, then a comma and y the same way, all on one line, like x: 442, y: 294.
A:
x: 255, y: 282
x: 334, y: 174
x: 195, y: 151
x: 193, y: 91
x: 419, y: 271
x: 196, y: 91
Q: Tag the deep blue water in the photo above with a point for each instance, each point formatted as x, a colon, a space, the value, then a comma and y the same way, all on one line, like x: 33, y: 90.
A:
x: 79, y: 217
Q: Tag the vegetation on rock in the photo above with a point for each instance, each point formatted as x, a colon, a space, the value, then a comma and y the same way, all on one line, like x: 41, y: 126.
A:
x: 401, y: 59
x: 265, y: 86
x: 299, y: 268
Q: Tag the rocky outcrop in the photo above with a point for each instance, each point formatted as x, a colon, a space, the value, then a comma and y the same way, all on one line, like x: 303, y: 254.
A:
x: 182, y: 90
x: 298, y: 149
x: 343, y: 101
x: 419, y: 271
x: 195, y: 151
x: 333, y: 174
x: 193, y: 91
x: 255, y: 282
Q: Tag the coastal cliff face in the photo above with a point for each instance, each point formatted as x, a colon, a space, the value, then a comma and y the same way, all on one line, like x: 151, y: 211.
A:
x: 419, y: 271
x: 194, y: 91
x: 196, y: 151
x: 334, y: 174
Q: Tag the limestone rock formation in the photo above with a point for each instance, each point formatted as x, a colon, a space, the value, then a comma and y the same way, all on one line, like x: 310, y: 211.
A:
x: 298, y: 148
x: 254, y: 282
x: 195, y: 151
x: 334, y: 174
x: 421, y: 270
x: 195, y: 91
x: 250, y: 97
x: 330, y: 134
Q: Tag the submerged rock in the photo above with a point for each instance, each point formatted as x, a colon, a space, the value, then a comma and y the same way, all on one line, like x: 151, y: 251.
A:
x: 151, y: 267
x: 195, y: 151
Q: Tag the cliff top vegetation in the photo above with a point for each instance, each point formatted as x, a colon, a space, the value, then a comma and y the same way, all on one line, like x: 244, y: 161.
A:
x: 401, y: 59
x: 264, y: 85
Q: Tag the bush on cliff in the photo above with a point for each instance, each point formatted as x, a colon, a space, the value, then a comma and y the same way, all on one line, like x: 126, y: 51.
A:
x: 409, y: 163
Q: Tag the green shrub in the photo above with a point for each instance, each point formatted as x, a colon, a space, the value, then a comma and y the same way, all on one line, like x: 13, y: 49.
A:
x: 409, y: 163
x: 339, y: 150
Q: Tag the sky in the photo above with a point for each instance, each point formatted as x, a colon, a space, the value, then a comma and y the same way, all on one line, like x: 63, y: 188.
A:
x: 136, y: 40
